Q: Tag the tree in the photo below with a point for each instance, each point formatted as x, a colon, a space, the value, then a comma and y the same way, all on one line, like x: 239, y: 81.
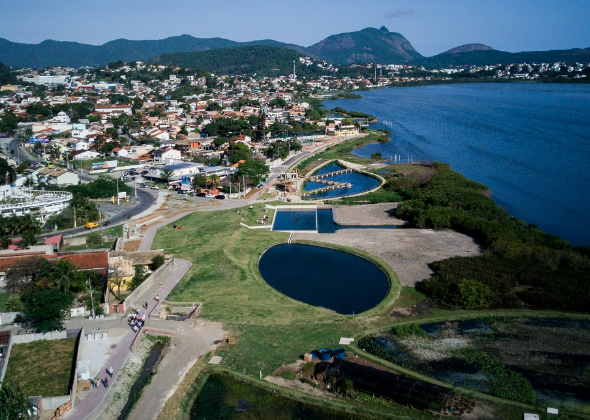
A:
x: 158, y: 261
x: 254, y: 170
x: 214, y: 180
x: 14, y: 403
x: 471, y: 294
x: 199, y: 182
x: 9, y: 122
x: 45, y: 310
x: 64, y: 275
x: 7, y: 173
x: 138, y: 277
x: 166, y: 174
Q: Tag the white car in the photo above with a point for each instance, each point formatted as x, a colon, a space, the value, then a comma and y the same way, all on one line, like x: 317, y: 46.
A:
x: 209, y: 196
x: 155, y: 187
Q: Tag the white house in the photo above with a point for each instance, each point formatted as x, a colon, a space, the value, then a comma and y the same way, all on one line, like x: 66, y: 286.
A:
x: 163, y: 154
x: 57, y: 176
x: 85, y: 155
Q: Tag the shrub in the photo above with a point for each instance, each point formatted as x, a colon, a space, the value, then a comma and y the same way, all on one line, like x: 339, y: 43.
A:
x: 471, y: 294
x: 158, y: 261
x: 408, y: 330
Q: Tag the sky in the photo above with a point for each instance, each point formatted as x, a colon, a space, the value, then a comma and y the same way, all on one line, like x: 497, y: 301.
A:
x: 432, y: 26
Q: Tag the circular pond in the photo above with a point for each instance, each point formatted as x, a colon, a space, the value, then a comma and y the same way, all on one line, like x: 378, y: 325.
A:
x: 336, y: 280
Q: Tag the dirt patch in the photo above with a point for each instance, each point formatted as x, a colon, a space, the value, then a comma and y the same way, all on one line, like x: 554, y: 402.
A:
x: 132, y: 246
x: 381, y: 214
x: 407, y: 251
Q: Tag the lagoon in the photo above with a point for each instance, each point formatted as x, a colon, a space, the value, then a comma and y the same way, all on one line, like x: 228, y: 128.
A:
x: 528, y: 142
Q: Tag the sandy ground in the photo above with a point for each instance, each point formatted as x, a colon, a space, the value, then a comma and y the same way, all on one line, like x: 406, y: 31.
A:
x: 382, y: 214
x: 407, y: 251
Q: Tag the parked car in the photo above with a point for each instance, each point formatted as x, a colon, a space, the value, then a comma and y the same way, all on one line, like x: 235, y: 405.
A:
x: 209, y: 196
x: 91, y: 225
x: 201, y: 194
x: 143, y: 186
x: 220, y: 197
x: 182, y: 191
x: 145, y: 172
x: 154, y: 187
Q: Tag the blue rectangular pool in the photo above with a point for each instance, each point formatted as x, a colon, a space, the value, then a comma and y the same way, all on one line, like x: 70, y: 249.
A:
x: 292, y: 219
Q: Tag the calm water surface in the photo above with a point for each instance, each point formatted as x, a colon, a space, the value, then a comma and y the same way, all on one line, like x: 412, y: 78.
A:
x: 339, y: 281
x: 529, y: 143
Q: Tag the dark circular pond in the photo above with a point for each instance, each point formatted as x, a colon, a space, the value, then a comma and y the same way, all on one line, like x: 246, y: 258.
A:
x: 336, y: 280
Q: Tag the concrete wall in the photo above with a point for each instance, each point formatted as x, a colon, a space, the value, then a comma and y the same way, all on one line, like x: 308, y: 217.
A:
x: 28, y: 338
x: 152, y: 281
x: 7, y: 318
x: 74, y: 379
x: 53, y: 403
x: 6, y: 359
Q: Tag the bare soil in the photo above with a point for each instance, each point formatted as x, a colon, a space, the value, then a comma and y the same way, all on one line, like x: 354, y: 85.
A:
x: 407, y: 251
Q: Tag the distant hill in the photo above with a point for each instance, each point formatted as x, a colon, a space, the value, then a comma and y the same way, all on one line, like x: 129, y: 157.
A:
x: 467, y: 48
x: 481, y: 57
x: 73, y: 54
x: 366, y: 46
x: 260, y: 59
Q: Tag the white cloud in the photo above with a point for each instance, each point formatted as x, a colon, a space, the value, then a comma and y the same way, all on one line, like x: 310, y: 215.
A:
x: 399, y: 12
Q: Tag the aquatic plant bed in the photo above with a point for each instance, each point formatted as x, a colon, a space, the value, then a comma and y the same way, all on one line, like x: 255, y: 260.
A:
x: 43, y: 367
x: 529, y: 360
x: 223, y: 397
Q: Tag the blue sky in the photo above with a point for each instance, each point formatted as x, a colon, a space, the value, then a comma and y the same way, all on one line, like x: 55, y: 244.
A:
x: 431, y: 26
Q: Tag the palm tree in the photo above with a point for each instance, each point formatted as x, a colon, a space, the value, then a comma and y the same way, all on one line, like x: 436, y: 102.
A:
x: 64, y: 274
x: 166, y: 174
x: 14, y: 403
x: 214, y: 180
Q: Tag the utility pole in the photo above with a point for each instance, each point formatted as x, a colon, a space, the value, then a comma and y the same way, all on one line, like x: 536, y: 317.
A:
x: 91, y: 299
x: 74, y: 216
x: 118, y: 191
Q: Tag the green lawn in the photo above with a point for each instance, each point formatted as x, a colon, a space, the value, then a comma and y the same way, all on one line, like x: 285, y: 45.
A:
x: 42, y: 367
x: 271, y: 329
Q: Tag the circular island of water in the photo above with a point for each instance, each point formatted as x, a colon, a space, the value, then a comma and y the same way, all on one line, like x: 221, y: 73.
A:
x: 342, y: 282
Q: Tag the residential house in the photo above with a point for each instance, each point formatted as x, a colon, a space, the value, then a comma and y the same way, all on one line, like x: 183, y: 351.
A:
x: 162, y: 155
x: 57, y: 176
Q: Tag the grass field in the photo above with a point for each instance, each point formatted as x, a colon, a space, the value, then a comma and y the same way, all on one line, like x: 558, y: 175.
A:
x: 42, y: 367
x: 271, y: 329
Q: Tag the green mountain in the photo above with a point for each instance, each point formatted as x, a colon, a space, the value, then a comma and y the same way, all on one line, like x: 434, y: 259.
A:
x: 366, y: 46
x: 73, y: 54
x: 260, y: 59
x: 6, y: 75
x: 480, y: 57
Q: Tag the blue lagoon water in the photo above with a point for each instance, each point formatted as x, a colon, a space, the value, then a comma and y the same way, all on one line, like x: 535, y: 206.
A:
x: 360, y: 183
x: 339, y: 281
x: 528, y: 142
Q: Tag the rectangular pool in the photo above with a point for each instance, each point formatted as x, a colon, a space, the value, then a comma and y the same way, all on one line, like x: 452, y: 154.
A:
x: 289, y: 219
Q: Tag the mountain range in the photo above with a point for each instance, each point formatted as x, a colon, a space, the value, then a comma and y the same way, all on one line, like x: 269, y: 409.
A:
x: 364, y: 46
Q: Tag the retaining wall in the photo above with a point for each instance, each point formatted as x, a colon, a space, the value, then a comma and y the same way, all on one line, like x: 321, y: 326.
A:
x: 7, y: 318
x: 157, y: 276
x: 29, y: 338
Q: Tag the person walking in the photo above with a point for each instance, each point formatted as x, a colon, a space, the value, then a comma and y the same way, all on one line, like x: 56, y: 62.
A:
x: 157, y: 298
x: 110, y: 371
x: 106, y: 382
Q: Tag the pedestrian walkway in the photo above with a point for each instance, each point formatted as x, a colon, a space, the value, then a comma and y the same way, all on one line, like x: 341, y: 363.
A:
x: 119, y: 356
